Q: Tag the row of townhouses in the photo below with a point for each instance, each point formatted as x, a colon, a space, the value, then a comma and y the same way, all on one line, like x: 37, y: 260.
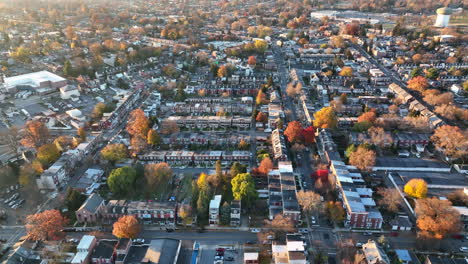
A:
x: 213, y: 122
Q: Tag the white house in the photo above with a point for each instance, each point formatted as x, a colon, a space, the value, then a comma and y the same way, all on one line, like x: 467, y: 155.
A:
x: 67, y: 91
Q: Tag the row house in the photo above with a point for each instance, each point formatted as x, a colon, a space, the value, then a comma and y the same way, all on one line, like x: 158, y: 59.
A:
x: 211, y: 108
x: 231, y: 90
x: 58, y: 174
x: 235, y: 213
x: 147, y: 212
x: 203, y: 139
x: 195, y: 157
x: 410, y: 139
x: 202, y: 122
x: 279, y: 145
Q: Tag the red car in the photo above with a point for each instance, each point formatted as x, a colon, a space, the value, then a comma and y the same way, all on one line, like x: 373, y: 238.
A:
x: 220, y: 249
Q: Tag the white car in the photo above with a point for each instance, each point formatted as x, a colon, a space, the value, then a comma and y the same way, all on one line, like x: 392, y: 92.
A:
x: 464, y: 249
x: 255, y: 230
x: 312, y: 220
x: 358, y: 244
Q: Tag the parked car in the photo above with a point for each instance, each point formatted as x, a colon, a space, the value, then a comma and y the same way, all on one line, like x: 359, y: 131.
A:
x: 229, y: 259
x: 303, y: 230
x: 312, y: 220
x: 255, y: 230
x: 464, y: 249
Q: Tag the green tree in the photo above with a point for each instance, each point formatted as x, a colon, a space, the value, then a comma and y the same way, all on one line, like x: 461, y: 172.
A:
x: 153, y: 137
x: 114, y: 152
x: 432, y: 73
x: 68, y: 69
x: 225, y: 214
x: 361, y: 126
x: 121, y: 180
x: 243, y: 189
x: 237, y: 168
x: 416, y: 72
x: 74, y: 199
x: 48, y: 154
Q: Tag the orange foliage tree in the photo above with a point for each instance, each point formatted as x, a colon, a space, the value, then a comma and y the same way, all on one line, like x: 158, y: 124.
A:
x: 138, y: 124
x: 46, y: 225
x: 362, y: 158
x: 126, y: 227
x: 367, y: 116
x: 265, y: 166
x: 452, y: 140
x: 294, y: 132
x: 35, y: 134
x: 252, y: 61
x: 418, y: 83
x: 261, y: 117
x: 436, y: 218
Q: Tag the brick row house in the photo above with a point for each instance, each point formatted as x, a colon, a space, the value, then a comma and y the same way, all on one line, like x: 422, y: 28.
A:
x: 212, y: 122
x: 204, y: 139
x: 195, y: 157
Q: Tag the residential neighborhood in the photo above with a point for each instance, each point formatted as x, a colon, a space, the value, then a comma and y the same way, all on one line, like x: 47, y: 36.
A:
x: 201, y: 131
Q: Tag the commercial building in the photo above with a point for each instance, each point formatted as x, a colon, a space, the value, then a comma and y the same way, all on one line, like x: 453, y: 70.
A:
x: 41, y: 82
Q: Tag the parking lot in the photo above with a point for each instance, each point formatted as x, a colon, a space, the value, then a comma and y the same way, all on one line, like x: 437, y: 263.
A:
x: 229, y: 253
x: 16, y: 202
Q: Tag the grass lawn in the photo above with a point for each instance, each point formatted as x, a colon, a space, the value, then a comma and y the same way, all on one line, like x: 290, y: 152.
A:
x: 185, y: 188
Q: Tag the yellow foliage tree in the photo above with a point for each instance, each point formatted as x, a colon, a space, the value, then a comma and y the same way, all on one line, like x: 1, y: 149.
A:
x: 325, y: 118
x: 416, y: 188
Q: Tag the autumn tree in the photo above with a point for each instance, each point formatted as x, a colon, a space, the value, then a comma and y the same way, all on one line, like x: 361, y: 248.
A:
x: 437, y: 98
x: 261, y: 118
x: 27, y: 174
x: 335, y: 211
x: 294, y: 132
x: 121, y: 180
x: 114, y: 152
x: 138, y: 124
x: 185, y: 213
x: 451, y: 140
x: 138, y: 144
x: 379, y: 137
x: 308, y: 134
x: 243, y: 144
x: 126, y: 227
x: 169, y: 127
x: 153, y: 138
x: 418, y: 83
x: 416, y: 188
x: 346, y: 71
x: 243, y: 189
x: 362, y: 158
x: 236, y: 169
x: 48, y: 154
x: 225, y: 214
x: 35, y: 134
x: 252, y: 61
x: 391, y: 199
x: 458, y: 198
x: 101, y: 108
x: 280, y: 226
x: 261, y: 98
x: 309, y: 201
x: 157, y: 174
x: 325, y: 118
x: 82, y: 134
x: 222, y: 71
x: 367, y: 117
x: 45, y: 226
x: 260, y: 45
x: 266, y: 165
x: 294, y: 89
x: 436, y: 218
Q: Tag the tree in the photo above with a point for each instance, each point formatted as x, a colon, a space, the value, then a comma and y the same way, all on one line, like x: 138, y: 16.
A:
x: 243, y: 145
x: 451, y: 140
x: 379, y: 137
x: 252, y: 61
x: 335, y: 211
x: 361, y: 126
x: 114, y: 152
x: 346, y: 71
x: 261, y: 118
x: 294, y: 132
x: 138, y: 124
x: 236, y: 169
x: 169, y: 127
x: 138, y: 144
x: 350, y: 150
x: 432, y: 73
x: 458, y: 198
x: 35, y: 134
x: 416, y: 72
x: 308, y: 134
x: 325, y: 118
x: 157, y: 174
x: 293, y: 89
x: 82, y: 134
x: 280, y: 226
x: 225, y: 214
x: 438, y: 99
x: 243, y: 189
x: 260, y: 45
x: 27, y: 174
x: 185, y: 212
x: 391, y: 199
x: 309, y: 201
x: 337, y: 42
x: 222, y: 71
x: 121, y: 180
x: 416, y: 188
x: 100, y: 109
x: 362, y: 158
x: 261, y: 98
x: 436, y: 218
x: 153, y: 138
x: 68, y: 69
x: 367, y: 117
x: 74, y: 199
x: 266, y: 165
x: 48, y: 154
x: 45, y: 226
x: 126, y: 227
x: 418, y: 83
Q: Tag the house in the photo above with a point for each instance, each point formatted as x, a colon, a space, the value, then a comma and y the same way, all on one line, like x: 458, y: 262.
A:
x: 157, y: 251
x: 374, y: 254
x: 67, y: 91
x: 235, y: 213
x: 251, y: 258
x: 91, y: 210
x: 401, y: 223
x: 84, y: 249
x: 104, y: 252
x: 214, y: 210
x: 279, y: 145
x: 404, y: 256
